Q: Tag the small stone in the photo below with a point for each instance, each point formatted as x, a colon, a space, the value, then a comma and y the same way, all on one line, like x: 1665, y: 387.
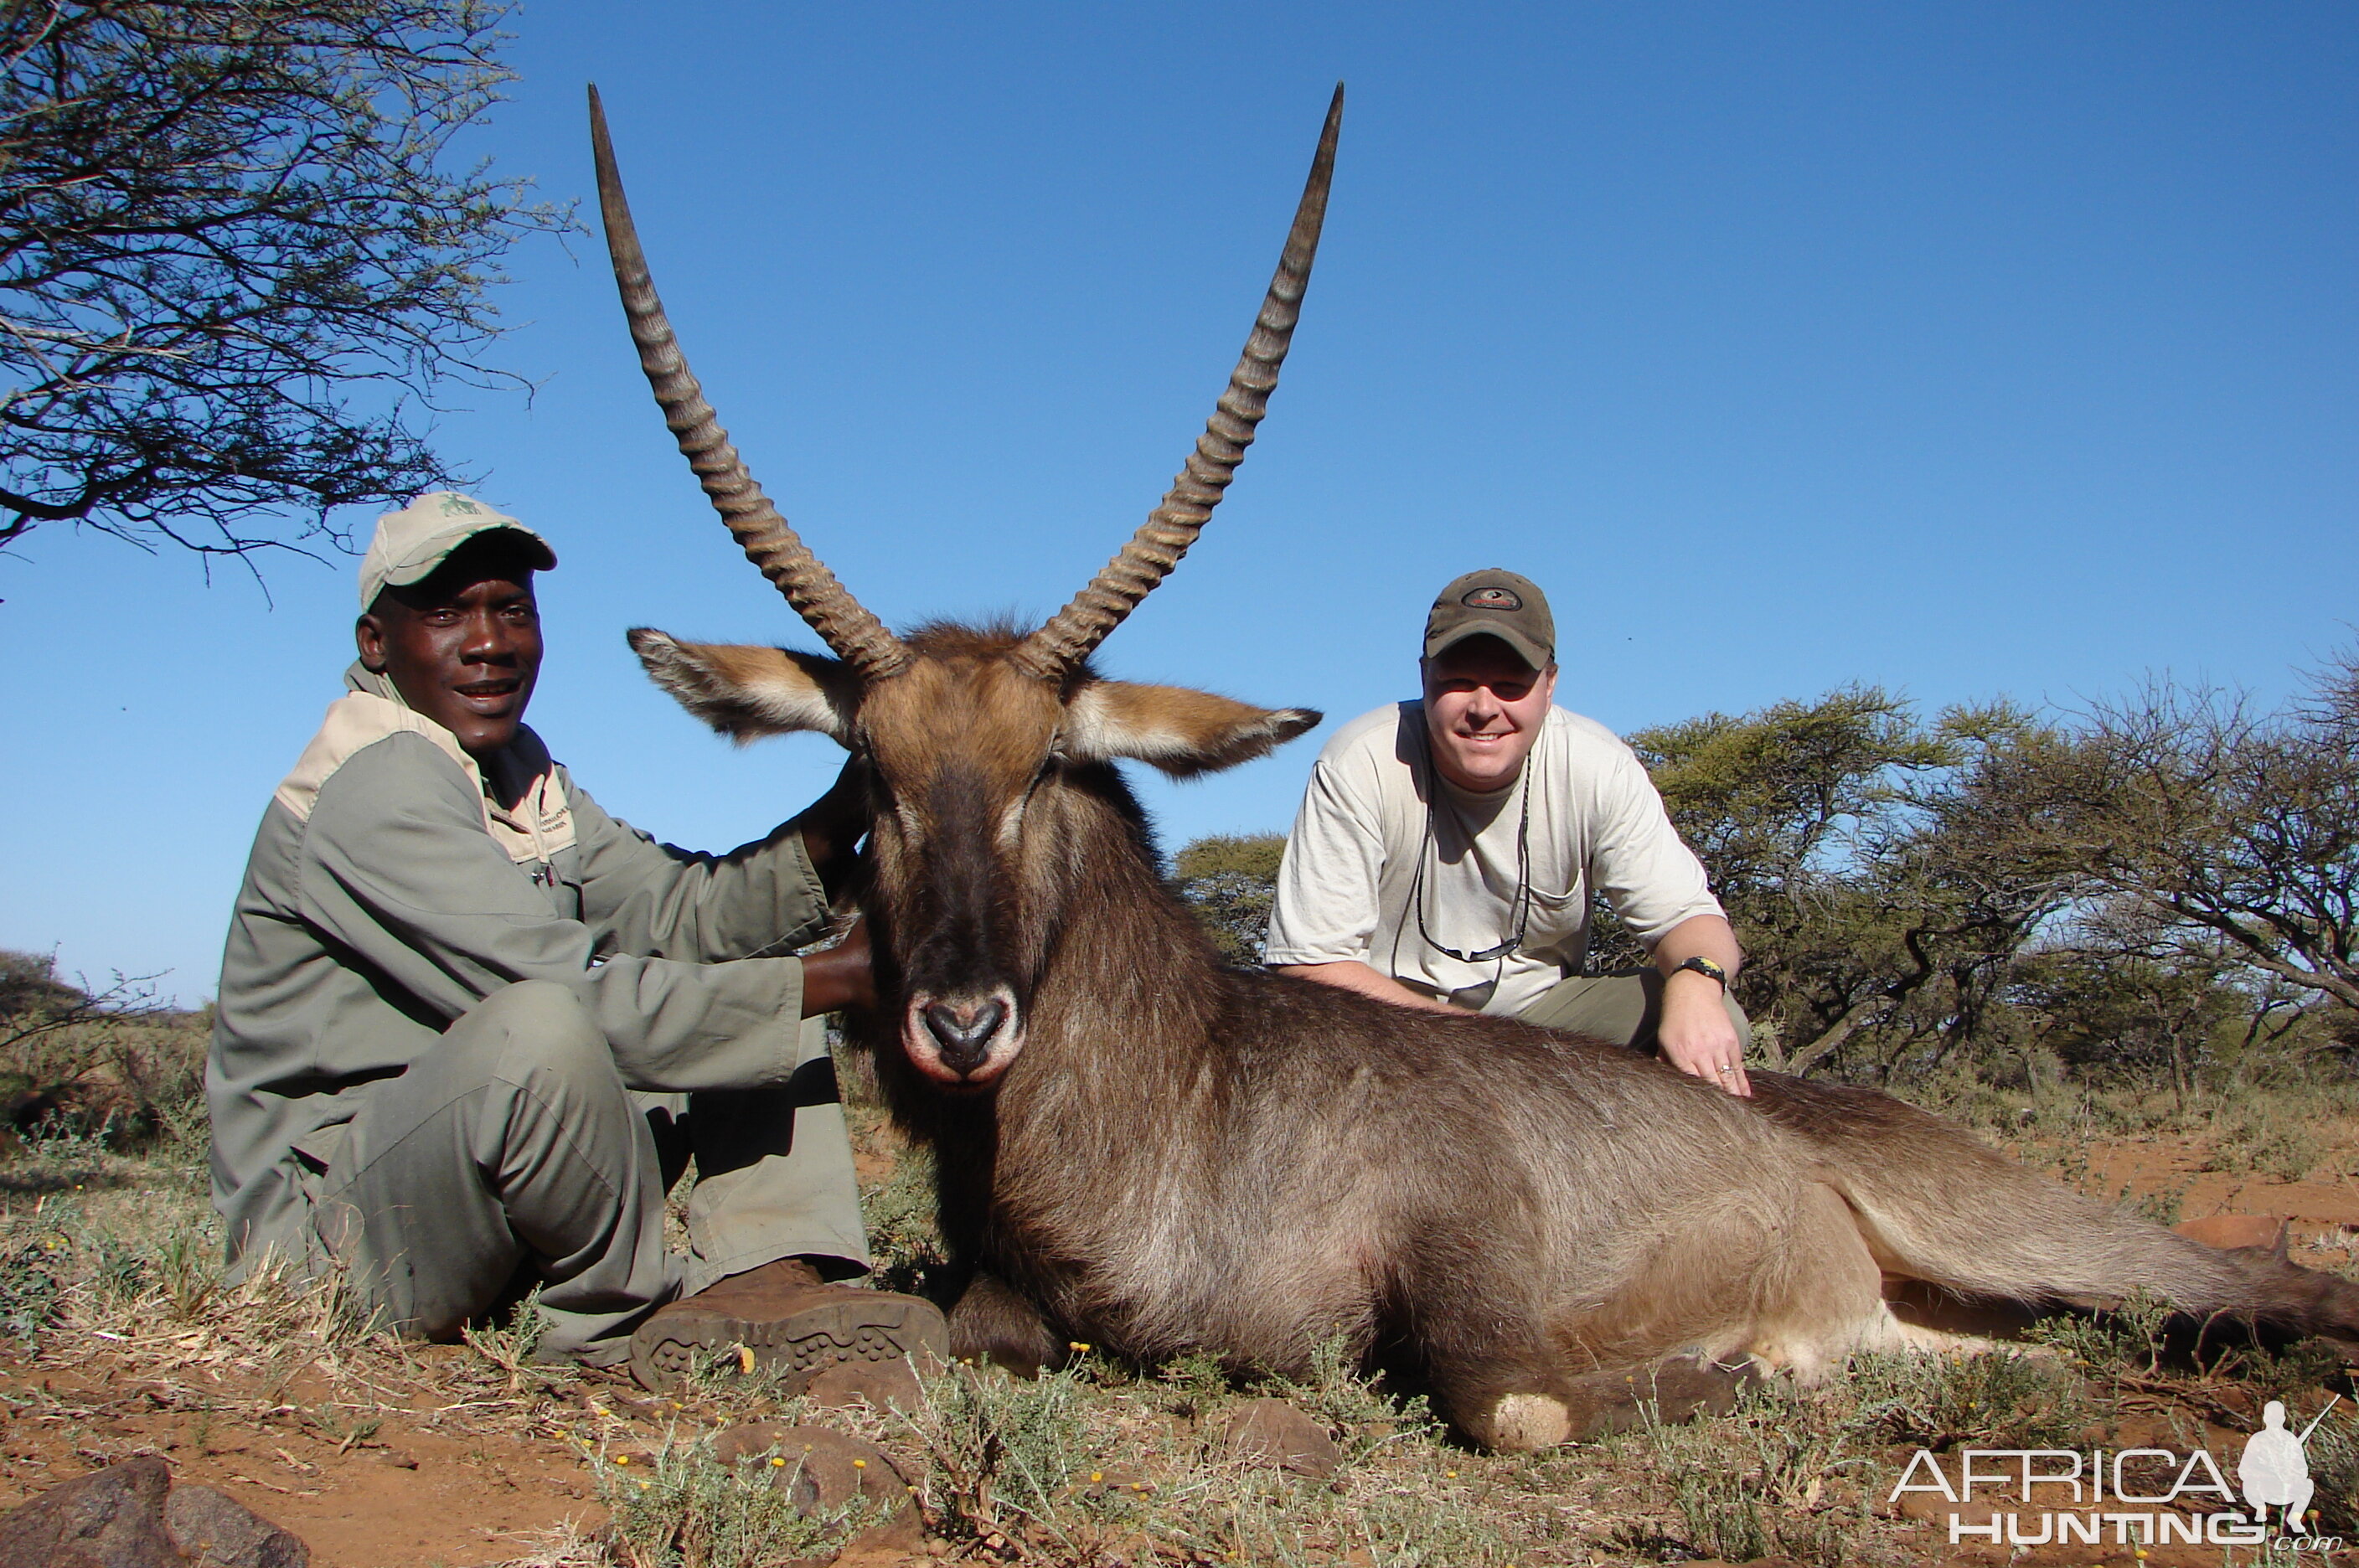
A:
x: 398, y: 1459
x: 824, y: 1470
x: 2238, y: 1231
x: 219, y: 1532
x: 1272, y: 1432
x: 877, y: 1383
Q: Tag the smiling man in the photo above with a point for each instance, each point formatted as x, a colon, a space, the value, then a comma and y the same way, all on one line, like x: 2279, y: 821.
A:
x: 472, y: 1029
x: 1448, y: 849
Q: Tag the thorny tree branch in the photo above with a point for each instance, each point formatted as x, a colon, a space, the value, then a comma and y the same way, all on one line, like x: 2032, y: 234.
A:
x: 233, y: 273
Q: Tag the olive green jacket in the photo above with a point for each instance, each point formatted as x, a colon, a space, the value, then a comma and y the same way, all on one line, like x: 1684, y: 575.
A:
x: 393, y: 885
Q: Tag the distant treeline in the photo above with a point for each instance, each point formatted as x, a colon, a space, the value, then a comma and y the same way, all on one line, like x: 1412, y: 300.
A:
x: 2166, y: 886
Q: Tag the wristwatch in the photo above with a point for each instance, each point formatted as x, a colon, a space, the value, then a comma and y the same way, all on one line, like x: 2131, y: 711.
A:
x: 1705, y: 967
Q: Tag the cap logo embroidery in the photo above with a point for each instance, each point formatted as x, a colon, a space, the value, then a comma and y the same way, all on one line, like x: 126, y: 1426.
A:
x: 1493, y: 599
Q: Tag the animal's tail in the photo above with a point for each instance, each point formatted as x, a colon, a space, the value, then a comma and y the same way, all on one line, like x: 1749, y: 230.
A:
x: 1936, y: 1206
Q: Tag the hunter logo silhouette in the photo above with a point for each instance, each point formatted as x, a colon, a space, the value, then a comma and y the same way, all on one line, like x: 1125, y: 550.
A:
x: 2275, y: 1470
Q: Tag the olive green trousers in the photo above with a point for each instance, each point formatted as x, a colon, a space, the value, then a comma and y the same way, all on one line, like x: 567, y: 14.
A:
x: 1620, y: 1008
x: 512, y: 1154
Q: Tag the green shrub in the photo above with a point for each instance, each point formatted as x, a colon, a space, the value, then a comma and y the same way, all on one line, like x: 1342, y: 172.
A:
x: 1999, y: 1399
x: 686, y: 1510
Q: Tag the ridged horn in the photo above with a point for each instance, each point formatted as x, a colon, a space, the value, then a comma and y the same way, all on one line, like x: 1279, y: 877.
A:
x: 857, y: 636
x: 1074, y: 631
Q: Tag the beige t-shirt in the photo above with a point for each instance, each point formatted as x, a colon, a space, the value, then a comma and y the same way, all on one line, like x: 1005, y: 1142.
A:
x: 1349, y: 887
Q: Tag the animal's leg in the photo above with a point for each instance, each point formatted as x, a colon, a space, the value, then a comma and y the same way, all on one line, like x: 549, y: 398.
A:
x: 1782, y: 1275
x: 1942, y: 1342
x: 1513, y: 1388
x: 1516, y: 1407
x: 1820, y: 1294
x: 1679, y: 1389
x: 1526, y: 1402
x: 992, y: 1324
x: 1486, y: 1361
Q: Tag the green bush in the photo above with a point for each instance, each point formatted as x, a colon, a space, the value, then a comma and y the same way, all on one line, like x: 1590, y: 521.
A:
x: 1230, y: 880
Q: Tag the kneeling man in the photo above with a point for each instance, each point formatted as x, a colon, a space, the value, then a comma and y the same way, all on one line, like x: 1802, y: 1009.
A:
x: 1447, y: 851
x: 472, y: 1027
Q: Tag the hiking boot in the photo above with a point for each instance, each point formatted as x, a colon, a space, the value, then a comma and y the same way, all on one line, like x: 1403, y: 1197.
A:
x: 780, y: 1318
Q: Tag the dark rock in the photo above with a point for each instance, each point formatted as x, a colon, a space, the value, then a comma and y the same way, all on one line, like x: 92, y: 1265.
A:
x: 824, y: 1471
x: 1272, y: 1432
x: 217, y: 1530
x: 109, y: 1518
x: 131, y: 1516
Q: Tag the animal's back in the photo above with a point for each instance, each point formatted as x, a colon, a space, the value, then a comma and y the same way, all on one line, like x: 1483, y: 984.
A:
x: 1336, y: 1149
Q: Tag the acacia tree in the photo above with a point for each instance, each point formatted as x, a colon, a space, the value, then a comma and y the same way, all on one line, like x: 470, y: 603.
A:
x: 2240, y: 825
x: 1780, y: 803
x: 232, y: 269
x: 1231, y: 880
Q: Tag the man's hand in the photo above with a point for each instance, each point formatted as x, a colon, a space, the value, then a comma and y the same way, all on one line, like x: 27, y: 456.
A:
x: 1695, y: 1033
x: 838, y: 978
x: 832, y: 826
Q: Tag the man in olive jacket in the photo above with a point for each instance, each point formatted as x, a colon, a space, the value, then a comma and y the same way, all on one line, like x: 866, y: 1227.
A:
x: 471, y: 1028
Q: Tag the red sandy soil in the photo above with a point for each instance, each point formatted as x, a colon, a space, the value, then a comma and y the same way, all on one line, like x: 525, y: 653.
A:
x: 2324, y: 1232
x: 421, y: 1489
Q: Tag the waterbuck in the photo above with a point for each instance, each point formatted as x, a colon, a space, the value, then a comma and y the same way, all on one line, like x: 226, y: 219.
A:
x: 1143, y: 1150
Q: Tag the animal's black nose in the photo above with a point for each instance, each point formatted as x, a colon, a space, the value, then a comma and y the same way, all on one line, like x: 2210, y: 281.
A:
x: 964, y: 1030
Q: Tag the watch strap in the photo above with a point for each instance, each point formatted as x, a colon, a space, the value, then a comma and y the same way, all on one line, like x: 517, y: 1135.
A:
x: 1703, y: 966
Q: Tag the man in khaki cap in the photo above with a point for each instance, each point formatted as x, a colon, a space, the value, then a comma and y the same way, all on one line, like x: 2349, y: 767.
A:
x: 472, y: 1027
x: 1447, y: 851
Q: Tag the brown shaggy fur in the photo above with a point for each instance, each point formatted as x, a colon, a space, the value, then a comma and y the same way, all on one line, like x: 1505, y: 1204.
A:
x: 1184, y: 1156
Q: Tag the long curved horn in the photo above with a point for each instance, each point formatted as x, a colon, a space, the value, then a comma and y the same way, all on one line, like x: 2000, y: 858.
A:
x: 857, y: 636
x: 1070, y: 634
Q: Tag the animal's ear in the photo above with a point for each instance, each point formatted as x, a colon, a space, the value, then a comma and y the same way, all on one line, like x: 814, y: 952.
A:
x: 745, y: 692
x: 1180, y: 730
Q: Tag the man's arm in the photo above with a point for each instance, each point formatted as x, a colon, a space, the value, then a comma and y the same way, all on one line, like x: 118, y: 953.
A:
x: 840, y: 977
x: 398, y: 873
x: 1654, y: 881
x: 1323, y: 909
x: 766, y: 897
x: 1350, y: 975
x: 1695, y: 1033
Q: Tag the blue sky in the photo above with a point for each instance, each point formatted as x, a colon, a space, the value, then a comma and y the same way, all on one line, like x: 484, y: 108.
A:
x: 1969, y: 349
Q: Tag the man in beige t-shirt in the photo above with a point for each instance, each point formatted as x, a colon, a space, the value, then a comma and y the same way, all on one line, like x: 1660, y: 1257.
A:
x: 1447, y: 851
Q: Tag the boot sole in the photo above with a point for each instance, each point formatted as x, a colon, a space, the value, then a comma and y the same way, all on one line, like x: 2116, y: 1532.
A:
x: 863, y: 1325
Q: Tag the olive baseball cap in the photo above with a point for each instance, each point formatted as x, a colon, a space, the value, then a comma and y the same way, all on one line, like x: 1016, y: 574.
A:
x: 410, y: 543
x: 1494, y: 602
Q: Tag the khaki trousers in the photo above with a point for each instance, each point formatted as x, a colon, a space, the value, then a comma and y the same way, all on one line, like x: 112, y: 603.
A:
x: 513, y: 1152
x: 1620, y: 1009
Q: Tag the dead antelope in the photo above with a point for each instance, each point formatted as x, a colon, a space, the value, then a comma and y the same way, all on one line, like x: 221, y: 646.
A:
x: 1140, y: 1149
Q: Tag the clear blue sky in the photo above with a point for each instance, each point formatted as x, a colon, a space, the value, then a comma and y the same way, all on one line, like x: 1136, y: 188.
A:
x: 1968, y: 349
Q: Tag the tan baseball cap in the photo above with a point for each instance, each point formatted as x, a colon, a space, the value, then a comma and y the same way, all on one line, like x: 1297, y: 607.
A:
x: 410, y: 543
x: 1494, y: 602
